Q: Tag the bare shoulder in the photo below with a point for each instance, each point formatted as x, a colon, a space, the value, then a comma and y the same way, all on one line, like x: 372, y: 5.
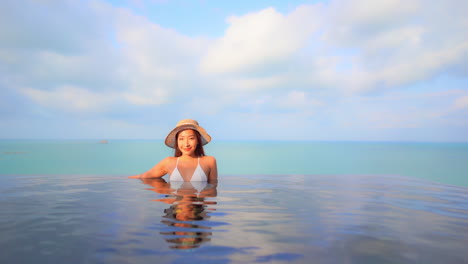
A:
x: 164, y: 163
x: 169, y: 160
x: 209, y: 160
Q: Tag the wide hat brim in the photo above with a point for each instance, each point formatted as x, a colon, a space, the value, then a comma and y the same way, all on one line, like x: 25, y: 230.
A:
x: 170, y: 140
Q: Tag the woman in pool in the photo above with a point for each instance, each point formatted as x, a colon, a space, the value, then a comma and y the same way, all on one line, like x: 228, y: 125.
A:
x: 189, y: 163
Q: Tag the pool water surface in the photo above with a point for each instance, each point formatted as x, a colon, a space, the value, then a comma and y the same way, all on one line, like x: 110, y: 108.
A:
x: 244, y: 219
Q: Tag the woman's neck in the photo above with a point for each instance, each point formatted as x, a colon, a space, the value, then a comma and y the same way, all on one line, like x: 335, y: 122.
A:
x: 188, y: 156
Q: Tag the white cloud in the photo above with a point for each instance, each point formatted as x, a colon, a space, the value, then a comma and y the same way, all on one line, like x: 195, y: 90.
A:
x: 258, y: 40
x: 398, y: 110
x: 394, y: 43
x: 297, y: 67
x: 294, y: 99
x: 70, y: 98
x: 406, y: 36
x: 155, y: 97
x: 158, y: 63
x: 30, y: 25
x: 461, y: 102
x: 353, y: 22
x: 298, y: 100
x: 144, y: 64
x: 418, y: 66
x: 254, y: 84
x: 364, y: 46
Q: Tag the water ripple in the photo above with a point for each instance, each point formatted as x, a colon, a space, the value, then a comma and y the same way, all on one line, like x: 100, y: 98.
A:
x: 246, y: 219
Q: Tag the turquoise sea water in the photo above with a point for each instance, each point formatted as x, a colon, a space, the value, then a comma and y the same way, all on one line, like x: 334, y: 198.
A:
x: 440, y: 162
x: 276, y: 202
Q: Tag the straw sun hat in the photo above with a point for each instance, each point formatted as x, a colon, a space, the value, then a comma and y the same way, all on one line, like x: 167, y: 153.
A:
x: 183, y: 125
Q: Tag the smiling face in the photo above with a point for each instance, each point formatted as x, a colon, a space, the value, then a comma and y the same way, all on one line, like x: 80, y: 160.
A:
x: 187, y: 142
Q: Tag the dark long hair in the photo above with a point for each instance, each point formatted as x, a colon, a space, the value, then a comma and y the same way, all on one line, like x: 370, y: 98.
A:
x: 199, y: 151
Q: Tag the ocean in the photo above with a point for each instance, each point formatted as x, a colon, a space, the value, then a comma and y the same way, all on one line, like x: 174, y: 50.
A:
x: 276, y: 202
x: 439, y: 162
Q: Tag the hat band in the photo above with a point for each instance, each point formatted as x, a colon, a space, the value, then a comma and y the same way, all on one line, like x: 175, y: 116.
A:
x: 183, y: 124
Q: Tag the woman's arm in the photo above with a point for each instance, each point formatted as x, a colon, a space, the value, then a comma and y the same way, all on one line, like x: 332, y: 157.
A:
x: 213, y: 176
x: 157, y: 171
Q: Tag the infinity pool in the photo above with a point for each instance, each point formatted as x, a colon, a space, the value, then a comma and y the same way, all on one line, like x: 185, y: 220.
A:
x: 245, y: 219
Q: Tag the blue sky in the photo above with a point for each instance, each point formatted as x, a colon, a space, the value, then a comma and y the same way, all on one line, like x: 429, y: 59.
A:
x: 387, y: 70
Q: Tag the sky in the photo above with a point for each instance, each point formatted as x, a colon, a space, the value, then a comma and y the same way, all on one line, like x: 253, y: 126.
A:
x: 345, y: 70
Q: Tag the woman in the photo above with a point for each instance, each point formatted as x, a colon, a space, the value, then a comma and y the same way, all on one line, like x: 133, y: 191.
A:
x: 189, y: 163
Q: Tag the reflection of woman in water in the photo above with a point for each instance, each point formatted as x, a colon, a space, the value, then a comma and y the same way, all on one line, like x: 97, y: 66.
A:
x: 188, y: 205
x: 189, y: 163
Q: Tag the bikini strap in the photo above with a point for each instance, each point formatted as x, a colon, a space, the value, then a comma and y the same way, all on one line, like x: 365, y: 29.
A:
x: 177, y: 162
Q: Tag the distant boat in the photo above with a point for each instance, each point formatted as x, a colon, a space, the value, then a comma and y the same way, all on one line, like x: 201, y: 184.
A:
x: 103, y: 142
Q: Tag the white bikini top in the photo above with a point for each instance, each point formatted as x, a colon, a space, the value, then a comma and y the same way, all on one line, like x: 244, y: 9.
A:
x: 198, y: 174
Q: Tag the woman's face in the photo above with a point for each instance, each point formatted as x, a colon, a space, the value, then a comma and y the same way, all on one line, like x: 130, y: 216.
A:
x: 187, y: 142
